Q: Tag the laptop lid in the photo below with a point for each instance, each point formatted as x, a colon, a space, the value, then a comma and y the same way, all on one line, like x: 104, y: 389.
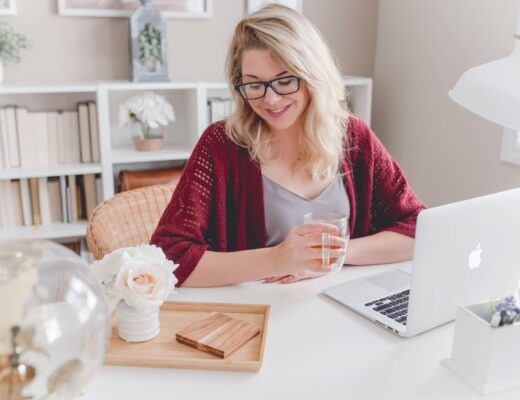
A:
x: 465, y: 252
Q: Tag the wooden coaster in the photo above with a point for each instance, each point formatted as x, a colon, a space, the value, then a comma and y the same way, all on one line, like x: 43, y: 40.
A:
x: 218, y: 334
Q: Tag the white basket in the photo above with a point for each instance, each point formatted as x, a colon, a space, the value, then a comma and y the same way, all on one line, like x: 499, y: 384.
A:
x: 484, y: 356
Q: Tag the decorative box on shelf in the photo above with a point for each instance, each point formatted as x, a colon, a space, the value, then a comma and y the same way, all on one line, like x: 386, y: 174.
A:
x: 484, y: 356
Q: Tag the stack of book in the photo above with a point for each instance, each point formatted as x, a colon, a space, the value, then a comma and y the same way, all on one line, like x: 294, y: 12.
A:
x: 219, y: 108
x: 42, y: 201
x: 40, y: 139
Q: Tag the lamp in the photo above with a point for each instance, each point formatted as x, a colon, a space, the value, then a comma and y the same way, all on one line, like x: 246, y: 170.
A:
x: 492, y: 90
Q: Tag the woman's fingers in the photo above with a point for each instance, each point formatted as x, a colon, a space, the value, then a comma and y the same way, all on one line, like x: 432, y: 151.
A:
x: 305, y: 274
x: 316, y: 239
x: 321, y: 227
x: 272, y: 279
x: 318, y: 253
x: 316, y: 266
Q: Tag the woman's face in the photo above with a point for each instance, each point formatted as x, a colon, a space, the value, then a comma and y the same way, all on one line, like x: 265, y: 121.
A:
x: 280, y: 112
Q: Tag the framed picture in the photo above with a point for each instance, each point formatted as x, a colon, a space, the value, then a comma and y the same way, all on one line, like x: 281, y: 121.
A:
x: 253, y: 5
x: 123, y: 8
x: 7, y: 7
x: 148, y: 46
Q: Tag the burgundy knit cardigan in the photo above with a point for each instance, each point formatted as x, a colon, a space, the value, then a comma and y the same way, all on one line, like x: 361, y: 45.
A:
x: 218, y: 203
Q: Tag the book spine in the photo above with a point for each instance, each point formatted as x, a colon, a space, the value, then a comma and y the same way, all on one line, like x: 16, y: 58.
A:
x: 63, y: 194
x: 6, y: 211
x: 43, y: 194
x: 71, y: 199
x: 41, y: 140
x: 17, y: 203
x: 35, y: 201
x: 26, y: 138
x: 53, y: 138
x: 12, y: 137
x: 89, y: 181
x: 26, y: 202
x: 94, y: 131
x: 53, y: 185
x: 84, y: 133
x: 4, y: 158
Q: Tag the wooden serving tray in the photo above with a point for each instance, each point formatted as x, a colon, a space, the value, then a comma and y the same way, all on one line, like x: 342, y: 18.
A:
x: 165, y: 352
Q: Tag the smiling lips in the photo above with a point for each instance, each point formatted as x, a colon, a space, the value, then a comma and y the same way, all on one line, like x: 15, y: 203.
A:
x: 277, y: 112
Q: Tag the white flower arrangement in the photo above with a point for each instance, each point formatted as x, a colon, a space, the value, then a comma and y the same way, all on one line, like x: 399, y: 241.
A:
x: 140, y: 276
x: 149, y: 110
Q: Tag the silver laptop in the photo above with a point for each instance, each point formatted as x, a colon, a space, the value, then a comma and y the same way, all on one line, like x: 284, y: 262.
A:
x: 465, y: 252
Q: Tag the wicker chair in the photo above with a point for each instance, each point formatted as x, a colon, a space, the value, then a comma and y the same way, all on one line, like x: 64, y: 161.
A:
x: 127, y: 219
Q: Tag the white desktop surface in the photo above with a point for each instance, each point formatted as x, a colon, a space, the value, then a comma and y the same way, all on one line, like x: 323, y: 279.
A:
x: 315, y: 349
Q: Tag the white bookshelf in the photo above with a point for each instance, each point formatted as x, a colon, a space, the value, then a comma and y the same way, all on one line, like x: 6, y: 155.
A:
x: 49, y: 231
x: 171, y: 152
x: 189, y: 100
x: 359, y: 96
x: 55, y: 170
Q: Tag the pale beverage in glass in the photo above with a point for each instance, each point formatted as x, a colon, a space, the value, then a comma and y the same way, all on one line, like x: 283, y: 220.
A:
x: 341, y: 222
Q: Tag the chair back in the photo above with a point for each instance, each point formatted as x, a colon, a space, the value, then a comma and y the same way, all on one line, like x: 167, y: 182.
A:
x: 127, y: 219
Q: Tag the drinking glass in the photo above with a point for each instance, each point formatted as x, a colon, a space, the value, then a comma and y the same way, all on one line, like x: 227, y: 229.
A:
x: 341, y: 222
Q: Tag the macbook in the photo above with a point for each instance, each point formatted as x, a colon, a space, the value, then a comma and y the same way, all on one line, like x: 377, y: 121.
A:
x: 465, y: 252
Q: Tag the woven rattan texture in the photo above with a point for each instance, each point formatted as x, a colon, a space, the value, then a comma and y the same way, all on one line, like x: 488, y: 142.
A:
x: 127, y: 219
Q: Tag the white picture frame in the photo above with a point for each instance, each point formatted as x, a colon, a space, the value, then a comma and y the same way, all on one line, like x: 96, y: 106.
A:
x: 184, y: 9
x: 253, y: 5
x: 7, y: 7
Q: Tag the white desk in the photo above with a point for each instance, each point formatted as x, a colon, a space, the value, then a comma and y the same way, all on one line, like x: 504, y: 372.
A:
x: 316, y: 349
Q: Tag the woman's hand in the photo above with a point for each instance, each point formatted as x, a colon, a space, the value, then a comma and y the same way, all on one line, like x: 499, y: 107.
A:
x: 301, y: 251
x: 305, y: 274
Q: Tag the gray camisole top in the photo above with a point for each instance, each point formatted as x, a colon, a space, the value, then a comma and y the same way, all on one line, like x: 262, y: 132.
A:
x: 285, y: 209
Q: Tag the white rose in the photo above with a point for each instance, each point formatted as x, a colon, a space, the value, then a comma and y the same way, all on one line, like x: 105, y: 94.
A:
x: 140, y: 275
x: 107, y: 269
x: 144, y: 285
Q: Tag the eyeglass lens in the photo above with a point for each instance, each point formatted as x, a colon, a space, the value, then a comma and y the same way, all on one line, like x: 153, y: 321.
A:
x: 282, y: 86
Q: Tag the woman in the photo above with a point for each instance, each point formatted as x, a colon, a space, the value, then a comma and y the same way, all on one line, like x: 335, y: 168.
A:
x: 289, y: 143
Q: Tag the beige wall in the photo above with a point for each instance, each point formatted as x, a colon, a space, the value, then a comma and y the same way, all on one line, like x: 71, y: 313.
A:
x: 79, y: 49
x: 350, y: 28
x: 422, y: 48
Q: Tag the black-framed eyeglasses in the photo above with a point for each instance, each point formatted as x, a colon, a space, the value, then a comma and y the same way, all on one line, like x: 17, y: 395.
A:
x: 256, y: 90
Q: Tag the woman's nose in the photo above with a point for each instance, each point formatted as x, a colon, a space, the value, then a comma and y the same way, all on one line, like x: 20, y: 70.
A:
x: 271, y: 96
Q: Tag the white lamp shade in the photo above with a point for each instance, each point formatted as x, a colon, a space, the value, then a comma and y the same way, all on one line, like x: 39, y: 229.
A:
x: 492, y: 91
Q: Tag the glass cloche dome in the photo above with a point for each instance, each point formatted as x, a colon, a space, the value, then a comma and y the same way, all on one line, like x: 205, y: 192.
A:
x: 54, y: 321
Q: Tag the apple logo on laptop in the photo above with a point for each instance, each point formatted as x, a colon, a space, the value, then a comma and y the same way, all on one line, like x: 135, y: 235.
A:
x: 474, y: 259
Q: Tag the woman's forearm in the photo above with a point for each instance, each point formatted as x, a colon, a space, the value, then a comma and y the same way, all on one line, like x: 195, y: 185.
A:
x: 380, y: 248
x: 219, y: 269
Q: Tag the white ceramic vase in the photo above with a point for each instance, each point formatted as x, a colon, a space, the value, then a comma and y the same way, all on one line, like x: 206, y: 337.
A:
x: 135, y: 325
x: 1, y: 71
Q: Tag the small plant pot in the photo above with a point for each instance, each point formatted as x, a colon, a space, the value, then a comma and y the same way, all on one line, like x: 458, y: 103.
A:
x: 134, y: 325
x: 151, y: 144
x: 484, y: 356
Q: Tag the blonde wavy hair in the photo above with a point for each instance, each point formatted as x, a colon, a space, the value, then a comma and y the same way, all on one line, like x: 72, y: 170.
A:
x: 297, y: 45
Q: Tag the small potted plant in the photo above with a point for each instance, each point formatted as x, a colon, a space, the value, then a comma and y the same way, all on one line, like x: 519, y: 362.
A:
x: 486, y: 345
x: 10, y: 45
x: 136, y: 281
x: 147, y: 114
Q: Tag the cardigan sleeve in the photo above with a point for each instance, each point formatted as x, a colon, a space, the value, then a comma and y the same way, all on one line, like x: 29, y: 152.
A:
x: 184, y: 229
x: 391, y: 203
